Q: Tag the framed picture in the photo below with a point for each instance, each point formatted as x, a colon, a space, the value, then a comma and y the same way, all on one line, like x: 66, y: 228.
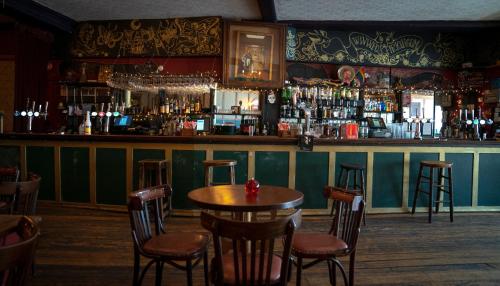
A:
x: 254, y: 54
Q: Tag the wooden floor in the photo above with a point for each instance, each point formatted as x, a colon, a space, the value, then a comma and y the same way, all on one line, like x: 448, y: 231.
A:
x: 88, y: 247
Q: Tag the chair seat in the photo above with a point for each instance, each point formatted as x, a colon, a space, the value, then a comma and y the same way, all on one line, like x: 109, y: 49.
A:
x: 352, y: 166
x: 177, y: 245
x: 436, y: 164
x: 316, y: 245
x: 230, y: 275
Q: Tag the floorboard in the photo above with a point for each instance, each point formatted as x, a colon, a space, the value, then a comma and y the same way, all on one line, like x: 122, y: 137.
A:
x: 91, y: 247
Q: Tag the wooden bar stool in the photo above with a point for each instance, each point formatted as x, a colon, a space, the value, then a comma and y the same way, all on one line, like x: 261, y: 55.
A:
x: 211, y: 164
x: 355, y: 184
x: 439, y: 185
x: 150, y: 168
x: 157, y: 169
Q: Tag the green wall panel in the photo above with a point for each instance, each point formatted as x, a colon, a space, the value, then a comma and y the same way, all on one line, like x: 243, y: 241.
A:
x: 311, y: 176
x: 241, y: 169
x: 387, y: 180
x: 187, y: 174
x: 271, y: 168
x: 348, y: 158
x: 143, y: 154
x: 489, y: 180
x: 9, y: 156
x: 111, y: 176
x: 415, y: 158
x: 40, y: 160
x: 75, y: 174
x: 463, y: 165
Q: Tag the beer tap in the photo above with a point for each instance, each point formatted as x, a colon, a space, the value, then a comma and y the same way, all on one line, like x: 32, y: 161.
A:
x: 46, y: 112
x: 108, y: 118
x: 29, y: 125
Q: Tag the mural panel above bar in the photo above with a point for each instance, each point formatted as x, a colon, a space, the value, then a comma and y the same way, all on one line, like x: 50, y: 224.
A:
x: 146, y: 38
x: 378, y: 48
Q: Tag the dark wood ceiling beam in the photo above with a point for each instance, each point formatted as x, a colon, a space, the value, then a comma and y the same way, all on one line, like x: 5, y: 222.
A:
x: 41, y: 13
x: 267, y: 10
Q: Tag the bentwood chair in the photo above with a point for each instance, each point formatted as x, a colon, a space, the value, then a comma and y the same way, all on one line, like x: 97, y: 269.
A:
x: 8, y: 191
x: 145, y: 208
x: 21, y: 197
x: 16, y: 255
x: 251, y: 260
x: 340, y: 240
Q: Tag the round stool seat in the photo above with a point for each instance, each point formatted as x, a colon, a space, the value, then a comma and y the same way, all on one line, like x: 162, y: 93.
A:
x: 352, y: 166
x: 436, y: 164
x: 219, y: 163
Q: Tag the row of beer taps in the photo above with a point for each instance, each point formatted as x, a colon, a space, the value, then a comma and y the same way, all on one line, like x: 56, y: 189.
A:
x: 32, y: 112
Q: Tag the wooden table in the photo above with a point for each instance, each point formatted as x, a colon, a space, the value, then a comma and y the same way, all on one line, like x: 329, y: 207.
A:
x: 234, y: 199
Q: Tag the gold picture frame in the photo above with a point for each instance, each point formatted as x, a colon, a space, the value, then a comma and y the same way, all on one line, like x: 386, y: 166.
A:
x: 254, y: 55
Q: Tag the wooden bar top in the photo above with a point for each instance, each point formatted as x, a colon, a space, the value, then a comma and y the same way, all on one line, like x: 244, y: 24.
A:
x: 245, y: 140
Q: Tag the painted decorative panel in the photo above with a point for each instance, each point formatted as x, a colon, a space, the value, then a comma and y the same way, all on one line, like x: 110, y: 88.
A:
x: 271, y: 168
x: 387, y: 180
x: 188, y: 174
x: 75, y: 174
x: 146, y: 38
x: 463, y: 165
x: 40, y: 160
x: 385, y: 48
x: 111, y: 176
x: 489, y: 180
x: 311, y: 176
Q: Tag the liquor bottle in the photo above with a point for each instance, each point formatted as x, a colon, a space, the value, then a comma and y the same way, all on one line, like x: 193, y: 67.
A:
x: 88, y: 124
x: 197, y: 106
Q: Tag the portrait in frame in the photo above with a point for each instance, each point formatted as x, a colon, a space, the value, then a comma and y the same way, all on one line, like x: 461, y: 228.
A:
x: 254, y: 54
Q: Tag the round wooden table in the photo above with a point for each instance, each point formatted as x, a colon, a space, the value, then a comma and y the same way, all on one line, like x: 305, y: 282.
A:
x: 234, y: 199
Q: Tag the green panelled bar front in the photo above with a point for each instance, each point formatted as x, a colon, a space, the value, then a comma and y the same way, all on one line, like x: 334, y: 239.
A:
x: 96, y: 173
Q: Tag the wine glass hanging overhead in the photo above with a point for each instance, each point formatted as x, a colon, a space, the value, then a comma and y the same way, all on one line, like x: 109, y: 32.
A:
x: 172, y: 83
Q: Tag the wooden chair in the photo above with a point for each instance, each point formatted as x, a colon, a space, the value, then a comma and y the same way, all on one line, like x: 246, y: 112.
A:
x: 16, y: 257
x: 8, y: 191
x: 9, y: 174
x: 159, y: 246
x: 340, y: 240
x: 21, y: 197
x: 251, y: 260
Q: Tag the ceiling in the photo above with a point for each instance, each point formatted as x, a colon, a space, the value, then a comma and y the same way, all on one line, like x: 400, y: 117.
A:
x: 286, y: 10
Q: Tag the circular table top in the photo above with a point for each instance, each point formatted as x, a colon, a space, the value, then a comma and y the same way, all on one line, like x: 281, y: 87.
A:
x: 233, y: 198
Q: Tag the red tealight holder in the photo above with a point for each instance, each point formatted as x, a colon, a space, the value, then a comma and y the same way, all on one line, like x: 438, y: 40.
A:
x: 252, y: 187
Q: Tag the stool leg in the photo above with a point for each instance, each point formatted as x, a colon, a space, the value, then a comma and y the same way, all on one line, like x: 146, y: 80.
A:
x: 346, y: 183
x: 232, y: 175
x: 142, y: 176
x: 159, y: 179
x: 355, y: 184
x: 415, y: 195
x: 207, y: 175
x: 450, y: 193
x: 339, y: 180
x: 431, y: 182
x: 439, y: 189
x: 362, y: 188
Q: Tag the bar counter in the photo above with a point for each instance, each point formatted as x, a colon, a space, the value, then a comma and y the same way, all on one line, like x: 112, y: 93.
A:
x: 99, y: 170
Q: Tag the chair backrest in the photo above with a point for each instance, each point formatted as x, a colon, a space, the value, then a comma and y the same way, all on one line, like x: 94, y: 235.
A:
x: 349, y: 208
x: 252, y: 266
x: 27, y: 195
x: 9, y: 174
x: 16, y: 258
x: 146, y: 206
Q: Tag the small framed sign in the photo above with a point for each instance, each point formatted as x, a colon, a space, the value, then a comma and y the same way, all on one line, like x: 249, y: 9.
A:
x: 306, y: 142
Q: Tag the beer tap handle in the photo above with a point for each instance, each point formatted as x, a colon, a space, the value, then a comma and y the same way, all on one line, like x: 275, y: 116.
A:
x: 33, y: 106
x: 46, y: 107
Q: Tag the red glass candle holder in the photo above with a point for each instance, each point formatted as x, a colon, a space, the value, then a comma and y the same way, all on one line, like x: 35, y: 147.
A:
x: 252, y: 187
